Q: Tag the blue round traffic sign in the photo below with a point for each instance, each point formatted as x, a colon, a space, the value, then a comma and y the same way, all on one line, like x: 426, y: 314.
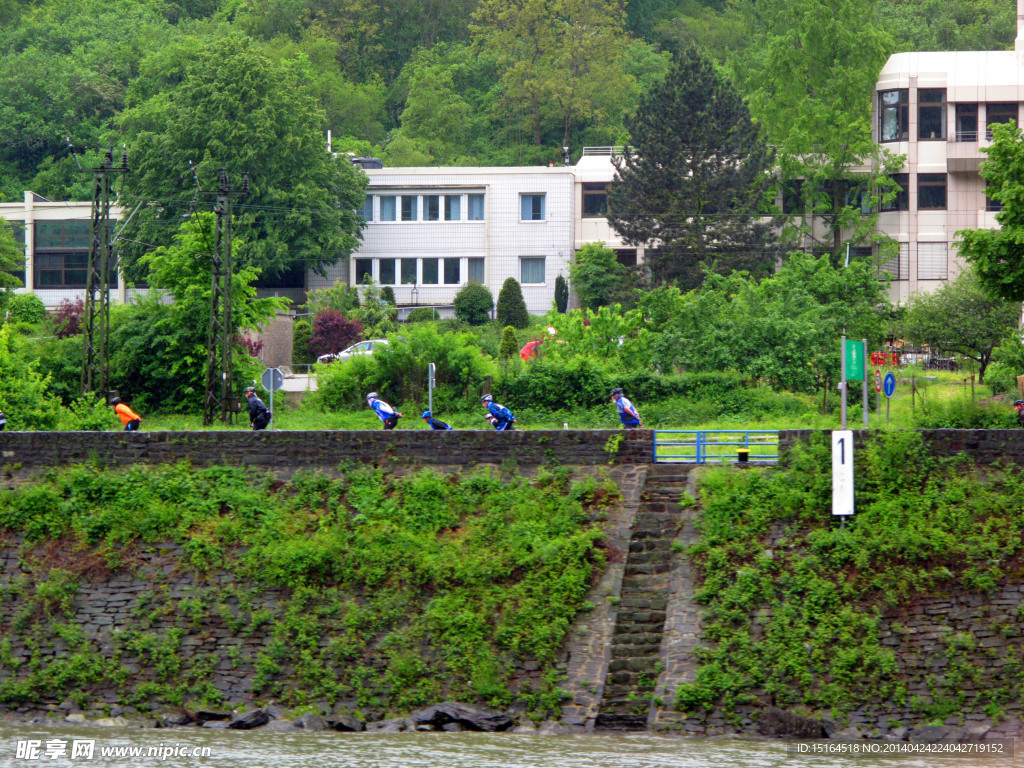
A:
x: 889, y: 384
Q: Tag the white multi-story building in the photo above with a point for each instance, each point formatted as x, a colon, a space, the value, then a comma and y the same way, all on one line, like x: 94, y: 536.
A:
x: 432, y: 230
x: 56, y: 240
x: 938, y: 110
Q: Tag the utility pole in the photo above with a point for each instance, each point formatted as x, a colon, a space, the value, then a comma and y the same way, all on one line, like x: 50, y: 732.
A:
x: 96, y: 315
x: 219, y: 389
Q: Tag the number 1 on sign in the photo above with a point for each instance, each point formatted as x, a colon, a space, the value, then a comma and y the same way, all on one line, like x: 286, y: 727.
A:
x: 842, y: 472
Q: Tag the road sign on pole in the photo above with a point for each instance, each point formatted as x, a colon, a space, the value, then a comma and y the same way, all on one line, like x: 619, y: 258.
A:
x: 272, y: 380
x: 842, y: 472
x: 878, y: 380
x: 889, y: 385
x: 854, y: 356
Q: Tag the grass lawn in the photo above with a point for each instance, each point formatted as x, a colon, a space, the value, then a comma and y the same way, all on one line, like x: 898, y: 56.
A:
x: 930, y: 389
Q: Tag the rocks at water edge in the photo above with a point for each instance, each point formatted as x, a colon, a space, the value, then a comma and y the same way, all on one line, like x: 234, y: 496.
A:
x: 252, y: 719
x: 788, y: 725
x: 448, y: 716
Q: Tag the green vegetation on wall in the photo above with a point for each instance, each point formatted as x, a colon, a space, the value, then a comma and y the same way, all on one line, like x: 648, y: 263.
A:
x: 794, y: 600
x: 399, y: 591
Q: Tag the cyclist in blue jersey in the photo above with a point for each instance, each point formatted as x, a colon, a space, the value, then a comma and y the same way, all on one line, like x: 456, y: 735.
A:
x: 504, y: 419
x: 385, y: 412
x: 434, y: 423
x: 628, y: 414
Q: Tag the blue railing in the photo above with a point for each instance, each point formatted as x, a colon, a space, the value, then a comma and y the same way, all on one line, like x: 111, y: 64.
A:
x: 720, y: 445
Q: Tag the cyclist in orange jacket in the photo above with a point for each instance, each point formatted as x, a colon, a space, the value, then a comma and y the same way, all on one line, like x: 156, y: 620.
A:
x: 128, y: 417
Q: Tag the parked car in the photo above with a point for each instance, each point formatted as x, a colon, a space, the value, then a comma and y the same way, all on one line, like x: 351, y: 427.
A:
x: 361, y: 348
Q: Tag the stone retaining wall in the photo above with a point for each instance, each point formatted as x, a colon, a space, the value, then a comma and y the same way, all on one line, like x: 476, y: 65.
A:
x: 25, y: 454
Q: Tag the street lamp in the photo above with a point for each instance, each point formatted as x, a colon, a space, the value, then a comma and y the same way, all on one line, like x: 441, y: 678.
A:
x: 415, y: 295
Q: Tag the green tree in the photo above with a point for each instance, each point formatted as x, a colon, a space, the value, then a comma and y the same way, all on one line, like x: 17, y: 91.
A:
x: 24, y: 398
x: 158, y: 354
x: 557, y: 58
x: 302, y: 332
x: 233, y: 109
x: 960, y: 317
x: 511, y: 306
x: 12, y: 259
x: 509, y: 344
x: 997, y: 255
x: 473, y: 304
x: 561, y: 295
x: 339, y: 297
x: 696, y: 180
x: 378, y: 316
x: 809, y: 73
x: 597, y: 277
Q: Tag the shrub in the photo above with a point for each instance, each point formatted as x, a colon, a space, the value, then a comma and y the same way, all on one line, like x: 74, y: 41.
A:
x: 26, y: 308
x: 511, y: 307
x: 387, y: 293
x: 597, y: 276
x: 561, y: 295
x: 1001, y: 378
x: 509, y: 343
x: 302, y: 332
x: 963, y: 414
x: 473, y: 304
x: 332, y: 332
x: 68, y: 318
x: 423, y: 314
x: 339, y: 296
x: 399, y: 371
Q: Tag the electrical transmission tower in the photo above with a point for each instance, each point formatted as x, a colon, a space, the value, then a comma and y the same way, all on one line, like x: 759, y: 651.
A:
x: 219, y: 388
x: 96, y: 315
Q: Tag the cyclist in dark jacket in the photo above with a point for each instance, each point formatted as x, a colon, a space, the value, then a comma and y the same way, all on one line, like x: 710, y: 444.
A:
x: 259, y: 414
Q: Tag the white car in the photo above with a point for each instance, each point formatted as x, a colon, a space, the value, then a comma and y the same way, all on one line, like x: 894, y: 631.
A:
x: 361, y: 348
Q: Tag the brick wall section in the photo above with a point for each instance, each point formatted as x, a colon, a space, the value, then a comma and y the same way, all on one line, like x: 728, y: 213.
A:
x: 24, y: 454
x: 985, y: 446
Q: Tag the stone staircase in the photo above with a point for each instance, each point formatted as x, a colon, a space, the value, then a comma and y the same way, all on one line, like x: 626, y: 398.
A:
x: 635, y: 661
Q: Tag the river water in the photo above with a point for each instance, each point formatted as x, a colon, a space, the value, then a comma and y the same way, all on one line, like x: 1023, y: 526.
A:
x: 257, y: 749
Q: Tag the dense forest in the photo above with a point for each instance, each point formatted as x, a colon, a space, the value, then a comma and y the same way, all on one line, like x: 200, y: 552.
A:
x: 419, y: 82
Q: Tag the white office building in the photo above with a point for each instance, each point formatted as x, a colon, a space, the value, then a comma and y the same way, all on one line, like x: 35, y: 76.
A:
x: 938, y: 110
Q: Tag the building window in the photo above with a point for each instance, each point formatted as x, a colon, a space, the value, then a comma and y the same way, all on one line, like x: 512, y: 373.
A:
x: 532, y: 207
x: 62, y: 270
x: 476, y: 271
x: 900, y: 201
x: 408, y: 271
x: 893, y: 114
x: 452, y: 207
x: 931, y: 261
x: 387, y: 208
x: 364, y: 271
x: 430, y: 271
x: 595, y: 200
x: 931, y: 191
x: 476, y: 207
x: 999, y: 113
x: 532, y: 270
x: 386, y: 270
x: 898, y: 265
x: 931, y: 114
x: 626, y: 257
x: 452, y: 273
x: 431, y: 208
x: 409, y: 212
x: 62, y: 234
x: 367, y: 212
x: 292, y: 276
x: 793, y: 197
x: 966, y: 122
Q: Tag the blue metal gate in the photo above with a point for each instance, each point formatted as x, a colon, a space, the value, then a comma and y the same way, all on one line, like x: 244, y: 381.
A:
x: 715, y: 445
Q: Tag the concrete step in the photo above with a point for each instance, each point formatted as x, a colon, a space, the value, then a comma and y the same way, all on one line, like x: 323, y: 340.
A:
x: 630, y: 651
x: 637, y: 569
x: 650, y: 545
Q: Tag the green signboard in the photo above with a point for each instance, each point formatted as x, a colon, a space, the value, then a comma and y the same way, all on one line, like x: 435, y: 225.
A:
x: 854, y: 353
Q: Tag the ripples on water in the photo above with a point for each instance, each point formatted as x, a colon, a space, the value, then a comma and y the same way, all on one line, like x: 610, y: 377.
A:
x: 442, y: 750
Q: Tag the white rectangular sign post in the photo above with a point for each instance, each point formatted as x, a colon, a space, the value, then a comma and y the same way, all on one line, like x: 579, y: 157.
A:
x: 842, y: 472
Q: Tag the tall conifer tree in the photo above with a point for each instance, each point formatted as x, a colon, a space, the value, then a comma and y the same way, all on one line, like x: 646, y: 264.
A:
x: 694, y: 186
